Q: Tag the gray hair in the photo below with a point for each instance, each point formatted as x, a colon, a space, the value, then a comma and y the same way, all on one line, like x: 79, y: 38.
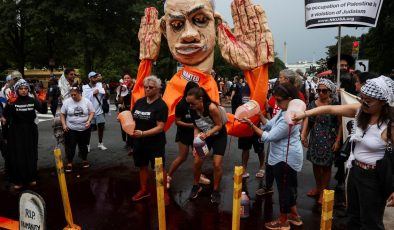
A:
x: 212, y: 4
x: 298, y: 82
x: 299, y: 71
x: 154, y: 79
x: 289, y: 74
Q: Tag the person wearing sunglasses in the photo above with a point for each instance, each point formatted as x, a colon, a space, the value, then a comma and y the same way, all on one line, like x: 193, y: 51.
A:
x: 285, y: 156
x: 365, y: 196
x: 21, y: 134
x: 325, y: 132
x: 150, y: 115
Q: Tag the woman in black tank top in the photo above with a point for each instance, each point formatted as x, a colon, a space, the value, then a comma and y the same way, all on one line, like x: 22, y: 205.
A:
x: 209, y: 127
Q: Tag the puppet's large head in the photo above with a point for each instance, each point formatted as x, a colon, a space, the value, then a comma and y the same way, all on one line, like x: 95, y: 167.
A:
x: 189, y: 26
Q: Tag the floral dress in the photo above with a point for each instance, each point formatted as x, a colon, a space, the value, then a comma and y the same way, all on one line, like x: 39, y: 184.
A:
x: 322, y: 137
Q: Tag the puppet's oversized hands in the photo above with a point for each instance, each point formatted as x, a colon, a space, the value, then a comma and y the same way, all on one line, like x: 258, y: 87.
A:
x: 149, y: 34
x: 252, y: 45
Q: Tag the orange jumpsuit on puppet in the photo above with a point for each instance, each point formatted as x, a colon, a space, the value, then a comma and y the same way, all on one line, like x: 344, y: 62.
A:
x: 257, y: 80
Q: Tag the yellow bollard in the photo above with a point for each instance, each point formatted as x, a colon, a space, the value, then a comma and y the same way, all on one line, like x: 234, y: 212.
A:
x: 161, y: 210
x: 327, y: 209
x: 237, y: 196
x: 63, y: 190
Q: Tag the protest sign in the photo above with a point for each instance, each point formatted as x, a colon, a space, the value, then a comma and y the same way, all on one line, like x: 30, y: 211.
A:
x: 326, y: 13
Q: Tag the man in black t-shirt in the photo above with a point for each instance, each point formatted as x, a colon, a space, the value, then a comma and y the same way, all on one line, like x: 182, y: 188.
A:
x: 246, y: 143
x: 236, y: 98
x: 53, y: 95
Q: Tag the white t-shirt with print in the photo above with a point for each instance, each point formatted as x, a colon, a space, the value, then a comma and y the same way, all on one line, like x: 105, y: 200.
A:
x: 77, y: 113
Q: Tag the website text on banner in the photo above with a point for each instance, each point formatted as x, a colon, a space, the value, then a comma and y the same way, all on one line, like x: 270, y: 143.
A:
x: 323, y: 13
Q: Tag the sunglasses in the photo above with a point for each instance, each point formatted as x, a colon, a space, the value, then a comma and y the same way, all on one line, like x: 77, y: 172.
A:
x: 149, y: 87
x: 323, y: 91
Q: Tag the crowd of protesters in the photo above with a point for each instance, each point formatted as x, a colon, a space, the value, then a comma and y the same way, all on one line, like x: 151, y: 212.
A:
x: 81, y: 108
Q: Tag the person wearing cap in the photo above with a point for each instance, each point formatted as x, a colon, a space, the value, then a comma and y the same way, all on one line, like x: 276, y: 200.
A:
x: 7, y: 92
x: 374, y: 116
x: 95, y: 93
x: 21, y: 134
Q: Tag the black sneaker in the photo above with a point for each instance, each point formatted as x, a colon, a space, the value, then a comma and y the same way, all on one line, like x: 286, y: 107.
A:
x: 195, y: 190
x: 264, y: 191
x: 215, y: 197
x: 68, y: 168
x: 85, y: 164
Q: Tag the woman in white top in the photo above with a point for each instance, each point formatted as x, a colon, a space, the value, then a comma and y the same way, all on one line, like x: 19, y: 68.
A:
x: 366, y: 202
x: 76, y: 114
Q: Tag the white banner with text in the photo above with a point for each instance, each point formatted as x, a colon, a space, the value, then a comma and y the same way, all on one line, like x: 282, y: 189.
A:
x: 326, y: 13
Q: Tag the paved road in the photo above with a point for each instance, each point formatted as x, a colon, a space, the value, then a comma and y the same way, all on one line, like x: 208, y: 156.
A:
x: 101, y: 195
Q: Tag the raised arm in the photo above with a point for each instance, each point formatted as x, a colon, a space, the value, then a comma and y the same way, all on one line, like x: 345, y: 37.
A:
x: 339, y: 110
x: 149, y: 35
x: 252, y: 44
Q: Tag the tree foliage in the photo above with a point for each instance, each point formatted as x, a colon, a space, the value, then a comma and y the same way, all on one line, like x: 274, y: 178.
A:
x: 376, y: 45
x: 346, y: 46
x: 99, y: 35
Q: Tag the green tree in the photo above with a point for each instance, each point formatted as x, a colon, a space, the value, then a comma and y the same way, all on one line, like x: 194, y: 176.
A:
x: 276, y: 67
x: 377, y: 45
x: 346, y: 46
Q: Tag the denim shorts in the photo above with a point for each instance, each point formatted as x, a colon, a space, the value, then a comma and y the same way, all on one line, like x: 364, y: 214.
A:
x: 98, y: 119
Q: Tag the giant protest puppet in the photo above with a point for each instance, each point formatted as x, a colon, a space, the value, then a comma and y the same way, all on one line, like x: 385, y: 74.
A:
x: 192, y: 28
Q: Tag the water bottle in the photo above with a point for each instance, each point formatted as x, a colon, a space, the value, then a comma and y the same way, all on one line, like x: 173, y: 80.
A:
x: 245, y: 205
x: 127, y: 122
x: 201, y: 147
x: 247, y: 110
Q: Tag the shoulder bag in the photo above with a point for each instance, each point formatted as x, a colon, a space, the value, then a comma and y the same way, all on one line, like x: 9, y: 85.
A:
x: 385, y: 167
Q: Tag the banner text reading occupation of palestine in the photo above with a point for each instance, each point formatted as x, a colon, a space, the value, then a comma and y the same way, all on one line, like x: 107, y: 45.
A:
x: 325, y: 13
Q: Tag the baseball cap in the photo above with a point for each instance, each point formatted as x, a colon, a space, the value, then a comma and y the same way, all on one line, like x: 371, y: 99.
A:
x: 16, y: 75
x: 92, y: 74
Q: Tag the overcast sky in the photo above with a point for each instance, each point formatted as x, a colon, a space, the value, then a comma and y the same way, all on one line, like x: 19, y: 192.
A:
x: 286, y: 19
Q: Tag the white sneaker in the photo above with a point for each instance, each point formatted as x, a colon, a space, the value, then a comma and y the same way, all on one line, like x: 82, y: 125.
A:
x: 101, y: 146
x: 245, y: 175
x: 204, y: 180
x: 88, y: 148
x: 168, y: 182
